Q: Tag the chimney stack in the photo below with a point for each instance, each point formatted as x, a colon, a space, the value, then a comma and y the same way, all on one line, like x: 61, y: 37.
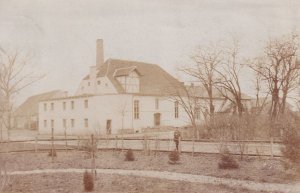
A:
x: 99, y: 53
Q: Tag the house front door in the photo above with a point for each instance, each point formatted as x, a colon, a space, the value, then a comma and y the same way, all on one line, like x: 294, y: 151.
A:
x: 157, y: 119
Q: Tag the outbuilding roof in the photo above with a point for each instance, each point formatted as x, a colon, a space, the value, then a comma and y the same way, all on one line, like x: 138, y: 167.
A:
x: 30, y: 106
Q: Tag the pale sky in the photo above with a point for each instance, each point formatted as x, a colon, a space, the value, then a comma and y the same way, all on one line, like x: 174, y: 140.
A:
x: 61, y: 34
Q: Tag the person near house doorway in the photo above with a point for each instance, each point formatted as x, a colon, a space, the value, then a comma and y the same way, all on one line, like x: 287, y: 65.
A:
x: 177, y: 137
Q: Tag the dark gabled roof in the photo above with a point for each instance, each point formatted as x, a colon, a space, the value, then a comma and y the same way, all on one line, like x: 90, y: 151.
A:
x: 266, y: 102
x: 30, y: 106
x: 153, y: 79
x: 201, y: 92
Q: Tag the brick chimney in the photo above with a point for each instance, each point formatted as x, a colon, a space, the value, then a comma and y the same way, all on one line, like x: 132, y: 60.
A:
x: 99, y: 53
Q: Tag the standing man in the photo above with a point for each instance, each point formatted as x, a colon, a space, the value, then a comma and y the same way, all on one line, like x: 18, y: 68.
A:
x: 177, y: 137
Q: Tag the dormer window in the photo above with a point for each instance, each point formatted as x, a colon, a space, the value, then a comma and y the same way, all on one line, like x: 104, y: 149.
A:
x: 129, y: 78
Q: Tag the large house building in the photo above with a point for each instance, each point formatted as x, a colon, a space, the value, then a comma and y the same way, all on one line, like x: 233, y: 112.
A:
x: 116, y: 96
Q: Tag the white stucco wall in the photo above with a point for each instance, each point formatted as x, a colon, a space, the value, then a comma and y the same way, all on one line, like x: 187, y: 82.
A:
x: 100, y: 85
x: 107, y: 107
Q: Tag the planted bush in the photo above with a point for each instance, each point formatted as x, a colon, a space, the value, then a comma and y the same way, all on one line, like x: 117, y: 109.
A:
x: 227, y: 161
x: 174, y: 157
x: 88, y: 181
x: 291, y: 148
x: 129, y: 156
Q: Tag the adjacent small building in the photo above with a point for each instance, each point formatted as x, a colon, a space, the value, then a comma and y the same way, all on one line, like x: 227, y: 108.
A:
x: 26, y: 115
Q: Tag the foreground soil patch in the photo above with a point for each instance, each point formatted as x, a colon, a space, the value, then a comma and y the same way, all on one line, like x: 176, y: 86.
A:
x: 72, y: 183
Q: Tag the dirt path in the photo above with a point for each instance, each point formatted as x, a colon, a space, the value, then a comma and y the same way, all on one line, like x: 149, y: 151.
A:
x: 270, y: 187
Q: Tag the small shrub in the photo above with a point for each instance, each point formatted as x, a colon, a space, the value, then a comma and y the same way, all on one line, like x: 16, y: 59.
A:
x: 227, y: 161
x: 174, y: 157
x: 291, y: 148
x: 88, y: 181
x: 129, y: 156
x: 52, y: 152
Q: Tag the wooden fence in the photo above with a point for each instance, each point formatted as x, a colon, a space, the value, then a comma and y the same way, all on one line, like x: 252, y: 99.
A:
x: 147, y: 144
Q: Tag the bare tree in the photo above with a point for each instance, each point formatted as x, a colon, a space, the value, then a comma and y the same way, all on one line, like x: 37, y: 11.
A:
x: 15, y: 75
x: 228, y: 82
x: 121, y: 108
x: 279, y: 70
x: 203, y: 70
x: 186, y: 98
x: 261, y: 92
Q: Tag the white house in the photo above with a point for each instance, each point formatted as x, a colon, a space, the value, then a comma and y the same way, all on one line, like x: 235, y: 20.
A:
x: 116, y: 95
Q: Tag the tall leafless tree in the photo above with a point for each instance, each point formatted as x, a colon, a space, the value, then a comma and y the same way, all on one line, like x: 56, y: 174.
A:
x: 203, y: 70
x: 279, y: 70
x: 186, y: 98
x: 261, y: 92
x: 15, y: 75
x: 228, y: 83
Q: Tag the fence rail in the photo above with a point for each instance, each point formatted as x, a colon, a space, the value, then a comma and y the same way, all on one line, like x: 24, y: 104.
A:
x: 147, y: 143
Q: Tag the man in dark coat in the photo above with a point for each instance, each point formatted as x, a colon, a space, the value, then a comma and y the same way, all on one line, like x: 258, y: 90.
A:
x: 177, y: 137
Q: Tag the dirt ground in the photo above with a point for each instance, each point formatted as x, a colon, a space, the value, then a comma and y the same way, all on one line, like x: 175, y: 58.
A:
x: 254, y: 169
x: 72, y: 183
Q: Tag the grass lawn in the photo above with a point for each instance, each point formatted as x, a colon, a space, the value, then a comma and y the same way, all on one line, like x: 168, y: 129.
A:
x: 254, y: 169
x: 251, y: 168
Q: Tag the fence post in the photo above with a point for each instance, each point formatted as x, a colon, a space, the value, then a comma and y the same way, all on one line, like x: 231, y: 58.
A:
x: 122, y: 140
x: 52, y: 144
x: 193, y: 148
x: 66, y: 141
x: 35, y: 145
x: 272, y: 155
x: 156, y: 145
x: 145, y: 145
x: 148, y: 146
x: 77, y: 142
x: 179, y: 145
x: 116, y: 144
x: 93, y: 156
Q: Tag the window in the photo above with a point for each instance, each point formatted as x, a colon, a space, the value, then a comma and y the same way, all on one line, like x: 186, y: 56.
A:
x: 45, y: 106
x: 136, y: 109
x: 52, y: 123
x: 52, y: 106
x: 156, y: 103
x: 176, y: 109
x: 89, y: 84
x: 72, y: 122
x: 65, y: 123
x: 86, y: 123
x: 72, y: 104
x: 86, y: 104
x: 98, y: 82
x: 64, y: 106
x: 131, y: 82
x: 197, y: 113
x: 45, y: 123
